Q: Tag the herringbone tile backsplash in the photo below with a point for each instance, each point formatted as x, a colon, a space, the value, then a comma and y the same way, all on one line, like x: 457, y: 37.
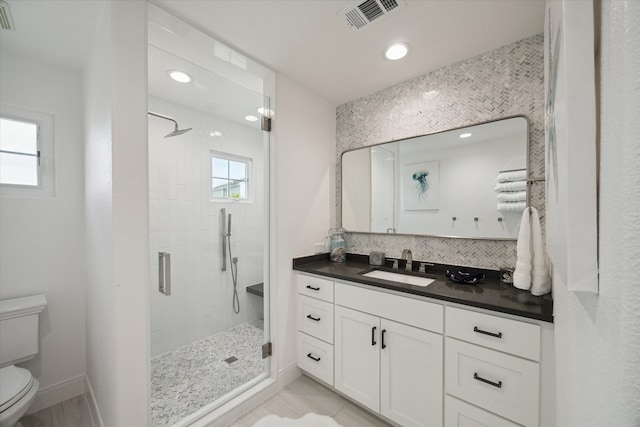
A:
x: 505, y: 82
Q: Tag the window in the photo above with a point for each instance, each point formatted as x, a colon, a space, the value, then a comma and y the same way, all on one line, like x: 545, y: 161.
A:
x: 230, y: 177
x: 26, y: 147
x: 19, y: 152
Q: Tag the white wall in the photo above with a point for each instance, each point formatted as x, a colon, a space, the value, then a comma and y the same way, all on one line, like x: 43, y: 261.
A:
x: 185, y: 223
x: 598, y: 336
x: 304, y: 138
x: 116, y: 188
x: 42, y: 238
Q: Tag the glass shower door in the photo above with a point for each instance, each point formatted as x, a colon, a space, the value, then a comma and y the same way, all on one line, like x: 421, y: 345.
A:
x: 209, y: 186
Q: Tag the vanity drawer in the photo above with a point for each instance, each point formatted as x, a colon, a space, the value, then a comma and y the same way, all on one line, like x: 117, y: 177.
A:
x: 414, y: 312
x: 315, y: 287
x: 501, y: 383
x: 315, y: 357
x: 460, y: 414
x: 315, y: 317
x: 510, y: 336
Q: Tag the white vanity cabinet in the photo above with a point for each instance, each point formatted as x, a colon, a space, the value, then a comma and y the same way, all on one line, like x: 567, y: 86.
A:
x: 315, y: 326
x: 423, y: 363
x: 493, y: 363
x: 385, y: 358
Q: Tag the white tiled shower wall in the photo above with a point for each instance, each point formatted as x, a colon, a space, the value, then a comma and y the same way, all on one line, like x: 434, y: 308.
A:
x: 184, y: 222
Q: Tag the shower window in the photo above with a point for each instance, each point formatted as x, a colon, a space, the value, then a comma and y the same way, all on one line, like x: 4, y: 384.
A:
x: 230, y: 177
x: 26, y: 147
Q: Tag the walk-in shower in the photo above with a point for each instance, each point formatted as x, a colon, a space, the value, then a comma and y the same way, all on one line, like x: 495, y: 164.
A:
x: 208, y: 330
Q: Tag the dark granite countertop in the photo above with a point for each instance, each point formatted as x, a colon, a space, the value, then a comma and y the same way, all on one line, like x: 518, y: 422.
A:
x: 490, y: 293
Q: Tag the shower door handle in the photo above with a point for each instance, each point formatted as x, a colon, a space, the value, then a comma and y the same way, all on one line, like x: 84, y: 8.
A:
x: 164, y: 273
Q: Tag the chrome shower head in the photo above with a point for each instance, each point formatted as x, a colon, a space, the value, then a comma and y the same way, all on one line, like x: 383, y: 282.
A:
x: 176, y: 131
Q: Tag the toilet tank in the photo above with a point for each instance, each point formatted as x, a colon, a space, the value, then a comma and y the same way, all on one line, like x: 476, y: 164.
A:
x: 19, y: 319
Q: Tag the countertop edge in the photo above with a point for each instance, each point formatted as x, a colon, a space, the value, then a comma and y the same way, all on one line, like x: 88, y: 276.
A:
x: 302, y: 267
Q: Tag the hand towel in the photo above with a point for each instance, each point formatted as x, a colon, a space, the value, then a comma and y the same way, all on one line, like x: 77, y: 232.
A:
x: 522, y: 273
x: 512, y: 196
x: 511, y: 186
x: 540, y: 277
x: 511, y: 206
x: 515, y: 175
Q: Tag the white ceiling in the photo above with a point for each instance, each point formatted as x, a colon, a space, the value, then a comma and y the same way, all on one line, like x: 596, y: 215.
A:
x: 304, y: 39
x: 59, y: 32
x: 309, y: 42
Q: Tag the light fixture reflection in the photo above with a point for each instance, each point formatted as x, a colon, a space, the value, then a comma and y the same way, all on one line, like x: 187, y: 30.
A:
x: 215, y: 133
x: 265, y: 111
x: 180, y: 76
x: 251, y: 118
x: 465, y: 135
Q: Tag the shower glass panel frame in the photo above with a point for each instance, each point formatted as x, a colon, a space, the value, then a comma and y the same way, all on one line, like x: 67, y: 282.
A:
x: 202, y: 353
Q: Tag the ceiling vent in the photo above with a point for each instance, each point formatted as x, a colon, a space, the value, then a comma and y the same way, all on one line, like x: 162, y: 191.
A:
x: 362, y: 13
x: 6, y: 23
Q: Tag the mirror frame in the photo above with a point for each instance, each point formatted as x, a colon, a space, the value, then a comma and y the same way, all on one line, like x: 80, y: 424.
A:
x: 527, y: 161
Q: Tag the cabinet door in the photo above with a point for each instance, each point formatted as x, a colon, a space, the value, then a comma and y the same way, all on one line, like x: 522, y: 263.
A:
x: 357, y: 356
x: 411, y: 375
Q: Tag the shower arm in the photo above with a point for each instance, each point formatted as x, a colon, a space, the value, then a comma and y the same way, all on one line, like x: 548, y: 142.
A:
x: 151, y: 113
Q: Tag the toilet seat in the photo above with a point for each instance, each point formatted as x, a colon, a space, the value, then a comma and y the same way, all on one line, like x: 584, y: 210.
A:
x: 15, y: 383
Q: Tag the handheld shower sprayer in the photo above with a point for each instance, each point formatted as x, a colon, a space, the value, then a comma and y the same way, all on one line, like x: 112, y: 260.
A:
x: 226, y: 243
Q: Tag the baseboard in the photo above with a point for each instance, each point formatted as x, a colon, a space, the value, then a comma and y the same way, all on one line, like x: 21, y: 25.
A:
x: 287, y: 375
x: 57, y: 393
x: 93, y: 404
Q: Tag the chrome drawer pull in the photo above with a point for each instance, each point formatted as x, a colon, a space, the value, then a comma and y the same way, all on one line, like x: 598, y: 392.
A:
x: 315, y: 319
x: 480, y: 331
x: 310, y: 356
x: 479, y: 378
x: 312, y: 288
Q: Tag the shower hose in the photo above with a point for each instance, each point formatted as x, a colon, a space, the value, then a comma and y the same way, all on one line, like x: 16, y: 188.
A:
x: 234, y: 277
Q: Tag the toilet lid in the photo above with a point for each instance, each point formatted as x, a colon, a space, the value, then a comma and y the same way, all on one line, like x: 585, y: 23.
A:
x: 14, y: 383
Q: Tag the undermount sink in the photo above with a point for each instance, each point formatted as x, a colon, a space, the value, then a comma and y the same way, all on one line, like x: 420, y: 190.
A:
x: 401, y: 278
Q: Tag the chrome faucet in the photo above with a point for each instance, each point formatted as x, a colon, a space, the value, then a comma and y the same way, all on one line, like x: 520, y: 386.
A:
x: 406, y: 254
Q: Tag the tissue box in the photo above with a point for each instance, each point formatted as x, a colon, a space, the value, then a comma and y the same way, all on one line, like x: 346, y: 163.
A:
x: 376, y: 258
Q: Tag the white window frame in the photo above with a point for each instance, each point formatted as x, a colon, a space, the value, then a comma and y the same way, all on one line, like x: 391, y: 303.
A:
x: 46, y: 149
x: 226, y: 156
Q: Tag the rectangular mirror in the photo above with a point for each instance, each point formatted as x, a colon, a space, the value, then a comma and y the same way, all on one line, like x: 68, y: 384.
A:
x: 467, y: 183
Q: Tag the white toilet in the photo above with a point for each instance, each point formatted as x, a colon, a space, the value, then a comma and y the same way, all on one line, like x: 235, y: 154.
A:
x: 18, y: 342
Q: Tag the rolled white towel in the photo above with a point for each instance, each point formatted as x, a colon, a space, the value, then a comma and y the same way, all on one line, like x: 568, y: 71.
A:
x: 522, y: 273
x: 512, y: 196
x: 514, y: 175
x: 511, y: 206
x: 511, y: 186
x: 540, y: 277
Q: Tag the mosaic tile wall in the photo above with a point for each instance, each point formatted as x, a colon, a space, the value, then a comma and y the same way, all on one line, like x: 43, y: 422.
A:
x: 505, y: 82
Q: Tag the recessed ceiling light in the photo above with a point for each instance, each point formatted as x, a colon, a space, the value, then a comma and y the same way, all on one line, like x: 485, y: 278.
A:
x: 215, y: 133
x: 180, y: 76
x: 265, y: 111
x: 396, y: 51
x: 251, y: 118
x: 465, y: 135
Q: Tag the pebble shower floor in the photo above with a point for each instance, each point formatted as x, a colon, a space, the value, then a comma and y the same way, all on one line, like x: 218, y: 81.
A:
x: 193, y: 376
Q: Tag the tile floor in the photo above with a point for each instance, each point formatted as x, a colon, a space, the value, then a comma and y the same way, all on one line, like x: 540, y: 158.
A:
x: 191, y: 377
x: 306, y: 395
x: 70, y: 413
x: 298, y: 398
